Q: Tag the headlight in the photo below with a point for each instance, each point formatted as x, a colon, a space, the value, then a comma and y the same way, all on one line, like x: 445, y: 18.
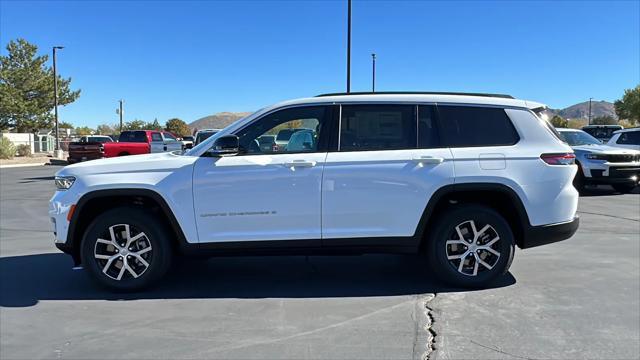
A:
x: 596, y: 156
x: 64, y: 182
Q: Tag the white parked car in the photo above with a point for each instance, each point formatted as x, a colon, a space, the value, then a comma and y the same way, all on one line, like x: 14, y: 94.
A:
x: 627, y: 138
x: 460, y: 178
x: 602, y: 164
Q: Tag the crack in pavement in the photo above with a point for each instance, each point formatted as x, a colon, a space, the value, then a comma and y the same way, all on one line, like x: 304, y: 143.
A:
x: 428, y: 311
x: 613, y: 216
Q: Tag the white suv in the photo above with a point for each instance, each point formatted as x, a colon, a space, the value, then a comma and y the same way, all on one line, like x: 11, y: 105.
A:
x: 460, y: 178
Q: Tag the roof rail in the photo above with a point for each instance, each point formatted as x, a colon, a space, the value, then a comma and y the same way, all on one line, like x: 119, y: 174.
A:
x: 419, y: 93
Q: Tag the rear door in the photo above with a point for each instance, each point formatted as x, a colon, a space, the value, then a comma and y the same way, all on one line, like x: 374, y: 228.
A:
x: 388, y: 165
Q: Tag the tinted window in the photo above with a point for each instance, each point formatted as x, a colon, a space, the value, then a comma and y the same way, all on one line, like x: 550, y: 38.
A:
x: 202, y: 136
x: 629, y: 138
x: 377, y: 127
x: 133, y: 136
x: 99, y: 139
x: 476, y: 126
x: 156, y: 137
x: 295, y: 130
x: 427, y: 130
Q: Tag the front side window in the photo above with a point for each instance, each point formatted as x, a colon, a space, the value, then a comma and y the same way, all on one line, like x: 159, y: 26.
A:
x: 468, y: 126
x: 169, y: 136
x: 629, y: 138
x: 377, y: 127
x: 292, y: 130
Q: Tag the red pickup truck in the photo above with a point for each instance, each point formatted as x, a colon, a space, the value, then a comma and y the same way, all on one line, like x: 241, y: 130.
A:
x: 135, y: 142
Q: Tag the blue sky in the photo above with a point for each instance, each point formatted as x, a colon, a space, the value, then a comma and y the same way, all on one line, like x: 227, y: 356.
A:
x: 189, y: 59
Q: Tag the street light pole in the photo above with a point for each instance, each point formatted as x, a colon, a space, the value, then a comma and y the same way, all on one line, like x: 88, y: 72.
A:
x: 590, y: 111
x: 373, y: 78
x: 55, y: 96
x: 349, y: 47
x: 120, y: 113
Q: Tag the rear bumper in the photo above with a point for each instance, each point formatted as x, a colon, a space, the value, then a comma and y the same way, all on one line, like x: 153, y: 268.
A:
x: 547, y: 234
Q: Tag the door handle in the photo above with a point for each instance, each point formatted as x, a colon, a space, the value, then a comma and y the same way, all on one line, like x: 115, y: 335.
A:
x: 428, y: 160
x: 300, y: 163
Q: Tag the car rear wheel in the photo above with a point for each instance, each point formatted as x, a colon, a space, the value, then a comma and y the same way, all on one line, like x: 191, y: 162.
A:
x: 126, y: 249
x: 470, y: 246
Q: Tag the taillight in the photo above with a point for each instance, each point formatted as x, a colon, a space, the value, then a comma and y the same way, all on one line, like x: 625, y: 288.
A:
x: 559, y: 159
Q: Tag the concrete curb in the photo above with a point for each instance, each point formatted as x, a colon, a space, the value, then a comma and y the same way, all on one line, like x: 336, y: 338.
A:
x: 8, y: 166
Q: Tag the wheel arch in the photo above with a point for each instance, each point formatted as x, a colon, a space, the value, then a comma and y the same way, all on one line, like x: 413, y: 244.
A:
x: 96, y: 202
x: 499, y: 197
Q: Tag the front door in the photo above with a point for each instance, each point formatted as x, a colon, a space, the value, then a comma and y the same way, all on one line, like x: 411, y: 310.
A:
x: 171, y: 143
x: 265, y: 193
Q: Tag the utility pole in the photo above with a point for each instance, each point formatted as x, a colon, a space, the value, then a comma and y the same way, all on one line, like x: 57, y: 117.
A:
x: 590, y: 111
x: 349, y: 47
x: 55, y: 100
x: 120, y: 113
x: 373, y: 78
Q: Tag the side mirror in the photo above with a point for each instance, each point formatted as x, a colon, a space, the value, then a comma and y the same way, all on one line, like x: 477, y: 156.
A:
x: 227, y: 145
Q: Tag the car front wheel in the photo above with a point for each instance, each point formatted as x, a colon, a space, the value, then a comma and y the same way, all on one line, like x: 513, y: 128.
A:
x: 125, y: 249
x: 470, y: 246
x: 624, y: 188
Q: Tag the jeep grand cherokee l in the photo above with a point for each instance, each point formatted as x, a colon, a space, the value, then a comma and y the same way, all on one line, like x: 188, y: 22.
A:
x: 460, y: 178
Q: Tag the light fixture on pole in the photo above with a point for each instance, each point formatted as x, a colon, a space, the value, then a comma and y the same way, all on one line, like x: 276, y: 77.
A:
x: 55, y: 97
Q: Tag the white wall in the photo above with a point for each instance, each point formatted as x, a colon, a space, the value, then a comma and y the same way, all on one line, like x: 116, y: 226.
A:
x: 21, y: 138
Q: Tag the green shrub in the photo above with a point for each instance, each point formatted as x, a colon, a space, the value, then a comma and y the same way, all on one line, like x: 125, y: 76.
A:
x: 23, y: 150
x: 7, y: 149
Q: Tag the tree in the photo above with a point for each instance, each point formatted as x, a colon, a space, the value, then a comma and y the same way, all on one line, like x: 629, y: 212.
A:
x: 84, y: 130
x: 26, y: 88
x: 134, y: 125
x: 604, y: 120
x: 65, y: 125
x: 559, y: 121
x: 105, y: 129
x: 177, y: 127
x: 629, y: 106
x: 155, y: 125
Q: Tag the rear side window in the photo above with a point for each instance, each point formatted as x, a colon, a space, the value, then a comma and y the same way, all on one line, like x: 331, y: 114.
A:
x: 133, y: 136
x: 427, y: 128
x: 467, y: 126
x: 377, y: 127
x: 629, y: 138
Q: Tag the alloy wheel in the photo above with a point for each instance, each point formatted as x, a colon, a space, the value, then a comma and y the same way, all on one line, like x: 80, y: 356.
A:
x: 125, y: 255
x: 471, y: 251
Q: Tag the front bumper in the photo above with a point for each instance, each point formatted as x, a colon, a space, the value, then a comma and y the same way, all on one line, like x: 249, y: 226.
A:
x: 547, y: 234
x: 611, y: 173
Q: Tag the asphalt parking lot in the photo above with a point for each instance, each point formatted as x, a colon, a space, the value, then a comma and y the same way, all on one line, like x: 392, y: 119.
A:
x: 575, y: 299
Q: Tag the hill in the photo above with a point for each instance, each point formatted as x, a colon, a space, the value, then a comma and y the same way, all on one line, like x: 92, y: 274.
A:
x: 217, y: 121
x: 581, y: 110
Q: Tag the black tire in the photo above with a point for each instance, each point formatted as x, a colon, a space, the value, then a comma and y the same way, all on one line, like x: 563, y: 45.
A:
x: 624, y: 188
x: 578, y: 180
x: 156, y: 236
x: 444, y: 229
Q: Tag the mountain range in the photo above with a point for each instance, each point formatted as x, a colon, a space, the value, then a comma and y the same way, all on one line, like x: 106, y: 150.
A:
x: 577, y: 111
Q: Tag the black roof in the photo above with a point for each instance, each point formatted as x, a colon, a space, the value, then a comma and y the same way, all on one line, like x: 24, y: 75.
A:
x: 419, y: 93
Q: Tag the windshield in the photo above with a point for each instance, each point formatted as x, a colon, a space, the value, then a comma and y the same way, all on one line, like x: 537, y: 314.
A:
x: 577, y: 138
x: 602, y: 132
